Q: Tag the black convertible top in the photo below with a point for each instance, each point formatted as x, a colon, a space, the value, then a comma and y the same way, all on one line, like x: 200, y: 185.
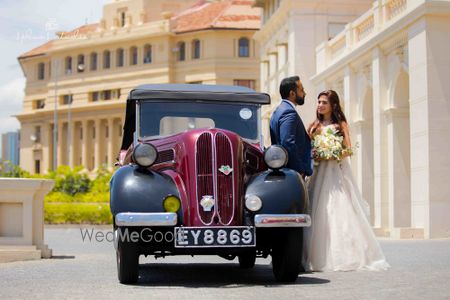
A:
x: 203, y: 92
x: 183, y: 92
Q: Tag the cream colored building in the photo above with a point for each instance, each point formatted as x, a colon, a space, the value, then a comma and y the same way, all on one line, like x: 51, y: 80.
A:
x: 391, y: 67
x: 90, y: 70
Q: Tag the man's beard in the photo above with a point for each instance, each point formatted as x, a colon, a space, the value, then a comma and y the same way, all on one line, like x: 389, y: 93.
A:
x: 299, y: 100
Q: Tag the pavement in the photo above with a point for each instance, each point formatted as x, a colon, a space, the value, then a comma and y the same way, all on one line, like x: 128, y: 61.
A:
x: 87, y: 269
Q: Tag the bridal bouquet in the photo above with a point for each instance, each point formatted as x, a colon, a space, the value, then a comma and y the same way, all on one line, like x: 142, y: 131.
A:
x: 328, y: 145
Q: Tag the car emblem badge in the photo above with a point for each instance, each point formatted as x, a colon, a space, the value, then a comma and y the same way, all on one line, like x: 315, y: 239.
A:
x: 207, y: 202
x: 226, y: 170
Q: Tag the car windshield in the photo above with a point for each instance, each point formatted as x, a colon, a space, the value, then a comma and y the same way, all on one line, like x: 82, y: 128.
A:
x: 158, y: 119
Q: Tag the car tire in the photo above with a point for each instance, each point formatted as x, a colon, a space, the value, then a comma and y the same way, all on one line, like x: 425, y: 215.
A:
x: 287, y: 255
x: 127, y: 257
x: 247, y: 260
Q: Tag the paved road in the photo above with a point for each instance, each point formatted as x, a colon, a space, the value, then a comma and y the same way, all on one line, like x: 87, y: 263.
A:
x: 420, y: 270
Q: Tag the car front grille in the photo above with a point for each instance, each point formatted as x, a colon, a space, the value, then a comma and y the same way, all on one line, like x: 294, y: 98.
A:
x: 214, y: 152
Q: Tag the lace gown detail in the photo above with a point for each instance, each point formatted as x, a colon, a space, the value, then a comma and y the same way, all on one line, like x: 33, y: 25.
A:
x: 340, y: 237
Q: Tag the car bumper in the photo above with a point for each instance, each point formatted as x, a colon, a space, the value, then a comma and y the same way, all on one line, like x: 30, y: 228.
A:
x: 129, y: 219
x: 282, y: 220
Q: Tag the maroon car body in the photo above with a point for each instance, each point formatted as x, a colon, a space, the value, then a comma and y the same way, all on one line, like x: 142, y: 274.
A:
x: 207, y: 190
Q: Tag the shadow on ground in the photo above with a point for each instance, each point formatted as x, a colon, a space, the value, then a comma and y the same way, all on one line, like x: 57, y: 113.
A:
x: 203, y: 275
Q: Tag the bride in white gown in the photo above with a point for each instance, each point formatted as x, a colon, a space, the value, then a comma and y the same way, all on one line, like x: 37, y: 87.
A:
x: 340, y: 237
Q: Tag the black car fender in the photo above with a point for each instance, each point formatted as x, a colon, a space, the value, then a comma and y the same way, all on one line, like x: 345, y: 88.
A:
x: 281, y: 191
x: 135, y: 189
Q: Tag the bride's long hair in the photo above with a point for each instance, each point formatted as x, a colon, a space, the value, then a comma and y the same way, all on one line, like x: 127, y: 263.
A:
x: 337, y: 115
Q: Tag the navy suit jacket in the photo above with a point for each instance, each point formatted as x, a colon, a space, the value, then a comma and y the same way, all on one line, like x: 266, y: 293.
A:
x: 287, y: 130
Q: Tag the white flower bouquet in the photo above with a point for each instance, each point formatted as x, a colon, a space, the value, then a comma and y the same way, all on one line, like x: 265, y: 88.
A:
x: 328, y: 145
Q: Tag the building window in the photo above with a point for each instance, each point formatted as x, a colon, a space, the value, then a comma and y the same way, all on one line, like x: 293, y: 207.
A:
x: 37, y: 134
x: 106, y: 95
x: 181, y: 51
x: 66, y: 99
x: 106, y: 59
x: 39, y: 104
x: 80, y: 64
x: 120, y: 57
x: 147, y: 54
x: 195, y: 49
x: 245, y: 83
x: 122, y: 19
x: 68, y: 65
x: 244, y: 47
x: 41, y: 71
x: 37, y: 166
x: 93, y: 61
x: 133, y: 56
x: 94, y: 96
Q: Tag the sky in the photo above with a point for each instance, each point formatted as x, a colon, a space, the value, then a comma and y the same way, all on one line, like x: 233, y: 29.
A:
x: 22, y: 28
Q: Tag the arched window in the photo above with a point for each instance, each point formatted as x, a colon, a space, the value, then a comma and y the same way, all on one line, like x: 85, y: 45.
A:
x: 120, y: 57
x: 244, y: 48
x: 106, y: 59
x: 181, y: 51
x: 122, y: 19
x: 133, y: 56
x: 195, y: 49
x: 41, y: 71
x: 80, y: 63
x: 68, y: 65
x: 147, y: 54
x: 93, y: 62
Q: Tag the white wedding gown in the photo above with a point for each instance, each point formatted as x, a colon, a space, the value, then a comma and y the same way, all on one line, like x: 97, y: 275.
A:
x: 340, y: 237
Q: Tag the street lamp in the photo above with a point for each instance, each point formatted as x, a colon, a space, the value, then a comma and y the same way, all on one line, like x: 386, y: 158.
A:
x: 55, y: 116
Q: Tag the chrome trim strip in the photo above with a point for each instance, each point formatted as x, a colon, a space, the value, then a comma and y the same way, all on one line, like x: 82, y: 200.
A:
x: 146, y: 219
x: 282, y: 220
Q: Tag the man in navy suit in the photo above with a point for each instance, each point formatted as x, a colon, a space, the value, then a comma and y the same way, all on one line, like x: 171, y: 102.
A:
x: 287, y: 129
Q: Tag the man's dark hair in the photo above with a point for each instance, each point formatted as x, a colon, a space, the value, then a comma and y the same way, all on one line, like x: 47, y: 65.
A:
x: 287, y: 85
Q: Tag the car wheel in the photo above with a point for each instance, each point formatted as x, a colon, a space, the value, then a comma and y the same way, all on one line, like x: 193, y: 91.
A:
x: 287, y: 255
x: 247, y: 260
x: 127, y: 256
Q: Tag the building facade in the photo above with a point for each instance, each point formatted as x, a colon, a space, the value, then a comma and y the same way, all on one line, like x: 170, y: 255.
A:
x: 11, y: 147
x: 391, y: 68
x: 85, y: 75
x: 290, y: 32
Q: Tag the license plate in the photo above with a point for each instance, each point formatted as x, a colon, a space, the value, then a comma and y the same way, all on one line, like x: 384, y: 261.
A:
x: 232, y: 236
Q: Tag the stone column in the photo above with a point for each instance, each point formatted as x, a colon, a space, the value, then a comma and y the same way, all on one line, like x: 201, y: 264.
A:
x: 282, y: 60
x: 84, y: 143
x: 110, y: 143
x: 97, y: 154
x: 59, y: 155
x: 349, y: 91
x: 429, y: 92
x: 273, y: 73
x: 380, y: 165
x: 399, y: 168
x: 71, y: 145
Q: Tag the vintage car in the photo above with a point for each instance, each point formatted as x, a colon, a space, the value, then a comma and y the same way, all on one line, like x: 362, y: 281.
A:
x: 194, y: 178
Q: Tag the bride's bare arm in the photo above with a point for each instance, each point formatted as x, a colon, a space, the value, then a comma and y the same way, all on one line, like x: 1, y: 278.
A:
x: 347, y: 142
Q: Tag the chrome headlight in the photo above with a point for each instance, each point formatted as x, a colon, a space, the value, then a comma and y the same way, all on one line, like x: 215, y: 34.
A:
x: 276, y: 157
x: 145, y: 155
x: 253, y: 202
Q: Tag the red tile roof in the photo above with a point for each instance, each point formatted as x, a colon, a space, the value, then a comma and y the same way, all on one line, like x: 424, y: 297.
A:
x: 219, y: 14
x: 230, y: 14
